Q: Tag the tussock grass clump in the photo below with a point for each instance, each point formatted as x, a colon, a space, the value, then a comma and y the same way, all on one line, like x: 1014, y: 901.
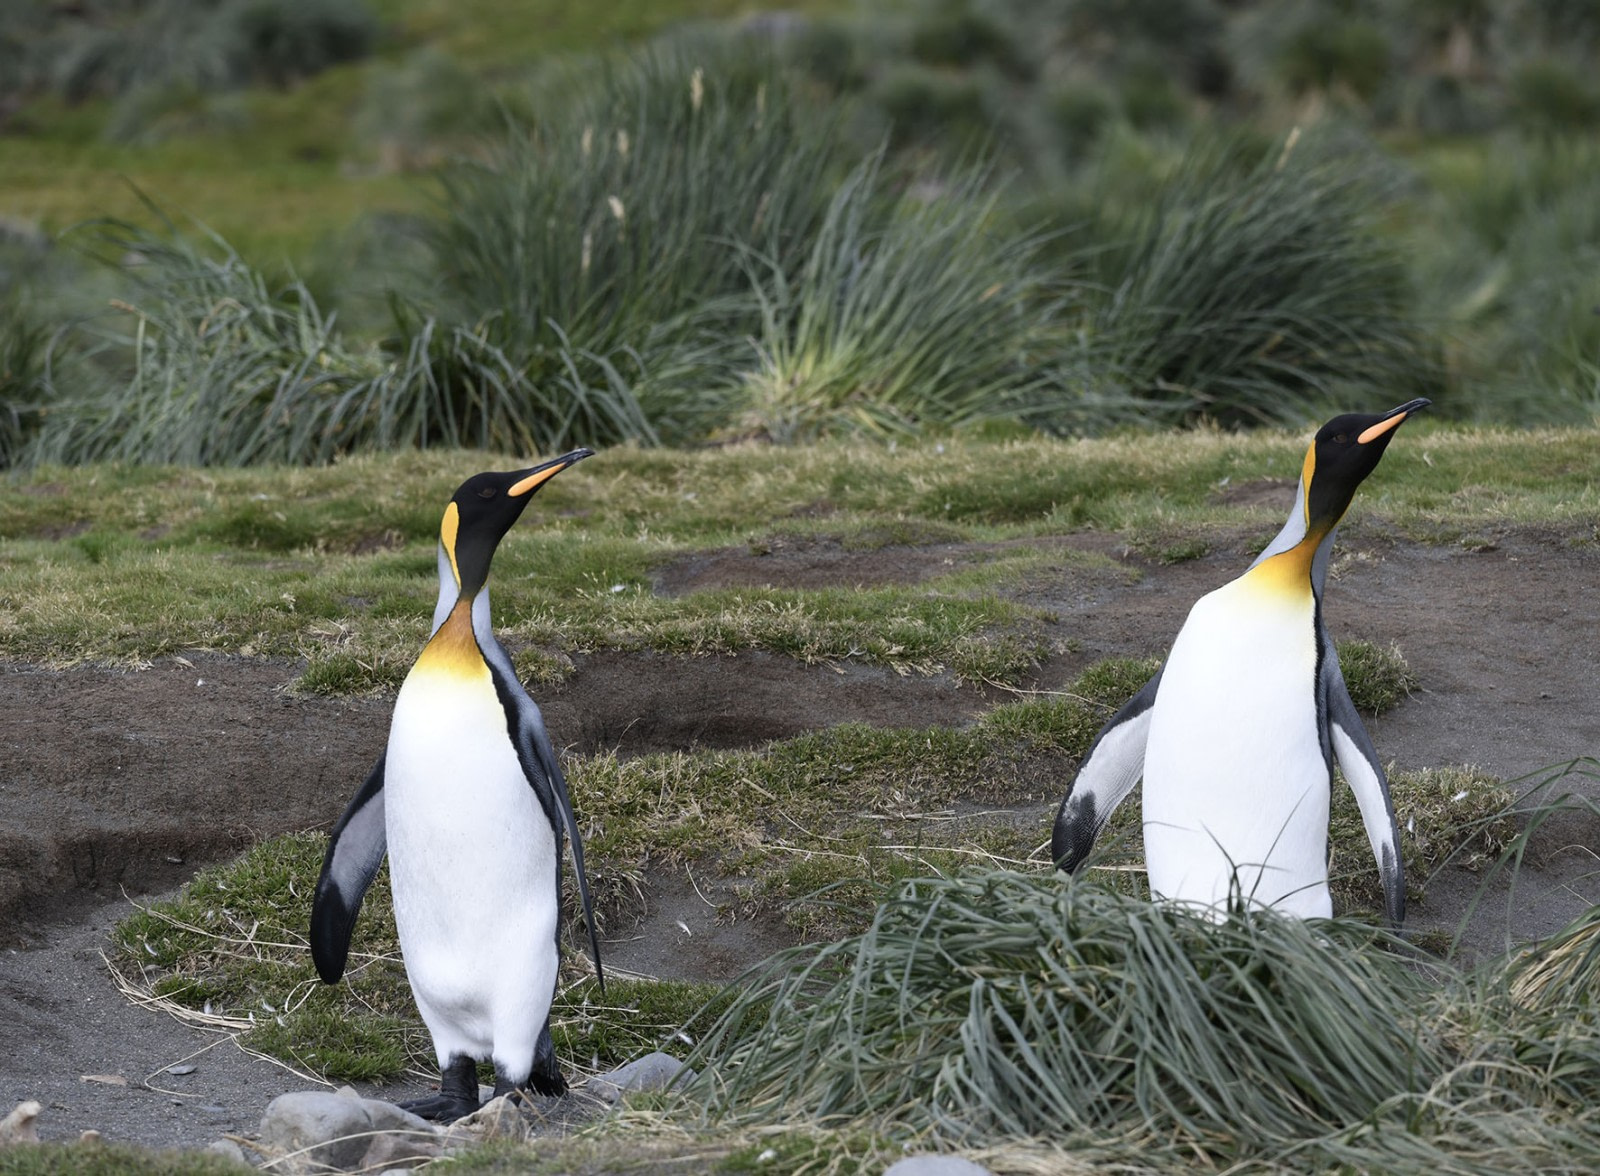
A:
x: 1377, y: 678
x: 112, y: 48
x: 1250, y: 290
x: 923, y: 314
x: 1455, y: 814
x: 1071, y: 1022
x: 1508, y: 263
x: 222, y: 370
x: 24, y: 355
x: 603, y: 248
x: 1004, y: 1004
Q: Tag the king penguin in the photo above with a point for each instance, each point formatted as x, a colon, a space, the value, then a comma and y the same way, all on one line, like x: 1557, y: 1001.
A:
x: 1236, y: 735
x: 470, y: 805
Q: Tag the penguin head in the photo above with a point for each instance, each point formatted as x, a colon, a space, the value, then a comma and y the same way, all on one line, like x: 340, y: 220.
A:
x: 483, y: 509
x: 1344, y: 452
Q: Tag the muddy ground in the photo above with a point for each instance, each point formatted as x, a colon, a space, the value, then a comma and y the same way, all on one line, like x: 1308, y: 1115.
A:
x: 119, y: 785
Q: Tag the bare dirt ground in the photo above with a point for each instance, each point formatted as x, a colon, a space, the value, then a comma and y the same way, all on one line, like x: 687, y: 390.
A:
x: 122, y: 784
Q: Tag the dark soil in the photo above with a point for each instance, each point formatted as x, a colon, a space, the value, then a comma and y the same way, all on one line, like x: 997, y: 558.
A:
x: 122, y: 784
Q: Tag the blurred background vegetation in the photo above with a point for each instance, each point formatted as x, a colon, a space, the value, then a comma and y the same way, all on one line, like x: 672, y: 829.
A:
x: 238, y: 231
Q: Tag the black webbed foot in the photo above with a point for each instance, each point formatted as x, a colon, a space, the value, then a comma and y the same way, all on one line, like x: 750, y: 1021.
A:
x: 457, y: 1097
x: 545, y: 1077
x: 440, y: 1108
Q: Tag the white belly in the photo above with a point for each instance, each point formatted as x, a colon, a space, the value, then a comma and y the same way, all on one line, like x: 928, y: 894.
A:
x: 1235, y: 783
x: 472, y: 863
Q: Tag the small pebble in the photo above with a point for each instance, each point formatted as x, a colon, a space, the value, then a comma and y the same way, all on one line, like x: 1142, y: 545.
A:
x: 936, y: 1166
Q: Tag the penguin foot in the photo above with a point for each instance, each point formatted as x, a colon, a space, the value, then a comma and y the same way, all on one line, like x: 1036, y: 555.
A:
x: 457, y: 1097
x: 544, y: 1077
x: 550, y: 1085
x: 441, y: 1108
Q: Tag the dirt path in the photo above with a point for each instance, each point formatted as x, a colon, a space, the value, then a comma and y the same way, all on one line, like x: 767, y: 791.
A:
x: 128, y: 782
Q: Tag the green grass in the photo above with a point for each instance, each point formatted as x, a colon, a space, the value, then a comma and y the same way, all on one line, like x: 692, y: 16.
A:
x: 108, y: 1159
x: 260, y: 192
x: 287, y: 172
x: 1201, y: 267
x: 647, y: 1143
x: 233, y: 947
x: 1378, y: 679
x: 117, y: 564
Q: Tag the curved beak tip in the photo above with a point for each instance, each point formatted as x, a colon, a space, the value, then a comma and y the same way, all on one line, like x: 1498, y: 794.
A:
x: 1393, y: 419
x: 539, y: 474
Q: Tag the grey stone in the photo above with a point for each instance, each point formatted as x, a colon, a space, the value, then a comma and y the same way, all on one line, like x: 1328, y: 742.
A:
x: 399, y: 1150
x: 931, y: 1165
x: 18, y: 1126
x: 654, y: 1071
x: 228, y: 1150
x: 499, y: 1118
x: 317, y: 1129
x: 386, y: 1116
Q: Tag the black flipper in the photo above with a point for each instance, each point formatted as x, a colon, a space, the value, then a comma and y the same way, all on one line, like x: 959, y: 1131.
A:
x: 540, y: 766
x: 1358, y: 759
x: 355, y: 851
x: 1113, y: 765
x: 538, y: 748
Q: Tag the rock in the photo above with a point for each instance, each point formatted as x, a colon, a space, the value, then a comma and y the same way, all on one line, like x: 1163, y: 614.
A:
x: 654, y: 1071
x: 312, y: 1129
x: 499, y: 1118
x: 399, y: 1150
x: 386, y: 1116
x: 228, y: 1150
x: 315, y: 1131
x: 931, y: 1165
x: 18, y: 1126
x: 90, y: 1136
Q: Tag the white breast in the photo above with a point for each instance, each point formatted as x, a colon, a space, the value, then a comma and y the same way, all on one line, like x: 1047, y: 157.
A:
x: 1235, y: 781
x: 472, y: 857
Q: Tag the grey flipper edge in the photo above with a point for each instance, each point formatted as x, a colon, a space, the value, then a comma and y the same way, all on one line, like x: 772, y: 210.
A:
x: 1113, y: 765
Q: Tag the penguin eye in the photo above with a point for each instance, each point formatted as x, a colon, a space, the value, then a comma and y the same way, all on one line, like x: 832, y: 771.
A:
x: 487, y: 492
x: 1341, y: 438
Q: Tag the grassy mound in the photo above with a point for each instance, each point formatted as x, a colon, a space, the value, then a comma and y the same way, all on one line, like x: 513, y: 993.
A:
x: 998, y: 1008
x: 1011, y: 1004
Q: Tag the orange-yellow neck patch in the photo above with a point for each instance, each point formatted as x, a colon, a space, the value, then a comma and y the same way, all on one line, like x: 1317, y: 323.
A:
x: 453, y: 649
x: 1287, y: 574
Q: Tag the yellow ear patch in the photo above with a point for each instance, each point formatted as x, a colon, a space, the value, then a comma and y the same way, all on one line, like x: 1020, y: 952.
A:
x: 447, y: 536
x: 1306, y: 470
